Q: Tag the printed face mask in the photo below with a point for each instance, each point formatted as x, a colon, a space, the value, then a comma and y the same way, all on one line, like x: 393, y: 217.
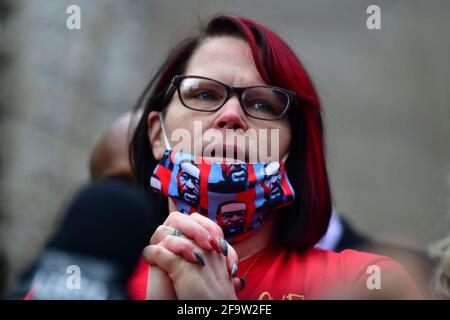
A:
x: 237, y: 196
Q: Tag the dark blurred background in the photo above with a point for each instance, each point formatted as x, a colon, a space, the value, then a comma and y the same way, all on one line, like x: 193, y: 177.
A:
x: 385, y: 95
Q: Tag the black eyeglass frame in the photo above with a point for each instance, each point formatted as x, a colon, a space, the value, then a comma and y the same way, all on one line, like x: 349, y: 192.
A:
x: 175, y: 85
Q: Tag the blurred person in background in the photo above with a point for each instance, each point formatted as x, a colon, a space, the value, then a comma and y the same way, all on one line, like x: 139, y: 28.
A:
x: 440, y: 252
x: 110, y: 156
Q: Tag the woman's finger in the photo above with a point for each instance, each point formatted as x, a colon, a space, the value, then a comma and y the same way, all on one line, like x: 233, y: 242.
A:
x: 213, y: 228
x: 223, y: 246
x: 162, y: 257
x: 183, y: 247
x: 231, y: 258
x: 232, y: 266
x: 161, y: 232
x: 191, y: 229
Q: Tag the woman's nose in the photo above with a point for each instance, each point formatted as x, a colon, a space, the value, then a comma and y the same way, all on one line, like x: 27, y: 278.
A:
x: 231, y: 116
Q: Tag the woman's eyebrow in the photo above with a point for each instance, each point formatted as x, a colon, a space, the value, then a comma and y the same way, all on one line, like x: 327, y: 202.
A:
x: 227, y: 78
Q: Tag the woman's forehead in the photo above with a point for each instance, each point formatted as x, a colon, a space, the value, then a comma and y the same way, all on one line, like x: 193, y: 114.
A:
x: 227, y: 59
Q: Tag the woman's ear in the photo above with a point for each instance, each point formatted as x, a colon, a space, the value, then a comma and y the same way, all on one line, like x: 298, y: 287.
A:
x: 155, y: 137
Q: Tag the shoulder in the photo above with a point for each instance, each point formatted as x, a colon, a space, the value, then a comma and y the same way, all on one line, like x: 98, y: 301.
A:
x: 356, y: 274
x: 349, y: 261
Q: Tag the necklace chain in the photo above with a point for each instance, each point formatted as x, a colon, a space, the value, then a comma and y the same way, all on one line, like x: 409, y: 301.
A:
x: 252, y: 265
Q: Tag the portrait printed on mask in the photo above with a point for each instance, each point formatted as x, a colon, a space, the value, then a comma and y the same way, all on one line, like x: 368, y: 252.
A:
x: 188, y: 180
x: 232, y: 178
x: 237, y: 196
x: 231, y: 217
x: 272, y: 186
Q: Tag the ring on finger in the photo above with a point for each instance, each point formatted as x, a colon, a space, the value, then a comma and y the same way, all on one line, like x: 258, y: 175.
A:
x: 177, y: 233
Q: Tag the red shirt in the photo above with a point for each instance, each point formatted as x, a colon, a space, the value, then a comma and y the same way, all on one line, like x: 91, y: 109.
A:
x: 282, y: 274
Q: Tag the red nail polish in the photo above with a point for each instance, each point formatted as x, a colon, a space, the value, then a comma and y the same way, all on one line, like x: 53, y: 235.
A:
x: 215, y: 245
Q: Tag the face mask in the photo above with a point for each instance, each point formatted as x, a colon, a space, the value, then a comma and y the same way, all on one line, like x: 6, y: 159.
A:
x: 237, y: 196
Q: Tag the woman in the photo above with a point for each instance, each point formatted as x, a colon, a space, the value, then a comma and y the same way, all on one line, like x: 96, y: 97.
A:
x: 239, y: 75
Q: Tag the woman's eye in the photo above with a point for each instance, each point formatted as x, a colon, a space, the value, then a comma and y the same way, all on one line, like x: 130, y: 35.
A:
x: 262, y: 106
x: 205, y: 95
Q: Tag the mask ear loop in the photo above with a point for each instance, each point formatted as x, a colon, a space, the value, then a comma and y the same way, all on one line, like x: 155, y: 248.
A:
x: 166, y: 140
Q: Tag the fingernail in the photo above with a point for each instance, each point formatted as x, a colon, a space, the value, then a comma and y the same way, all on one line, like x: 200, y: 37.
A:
x: 198, y: 255
x: 224, y: 246
x: 213, y: 242
x: 243, y: 282
x: 234, y: 270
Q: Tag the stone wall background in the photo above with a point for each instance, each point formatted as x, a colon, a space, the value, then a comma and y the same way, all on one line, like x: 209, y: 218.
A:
x: 385, y: 95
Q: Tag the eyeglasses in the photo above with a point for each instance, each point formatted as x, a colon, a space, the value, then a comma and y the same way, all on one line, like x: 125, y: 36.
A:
x: 208, y: 95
